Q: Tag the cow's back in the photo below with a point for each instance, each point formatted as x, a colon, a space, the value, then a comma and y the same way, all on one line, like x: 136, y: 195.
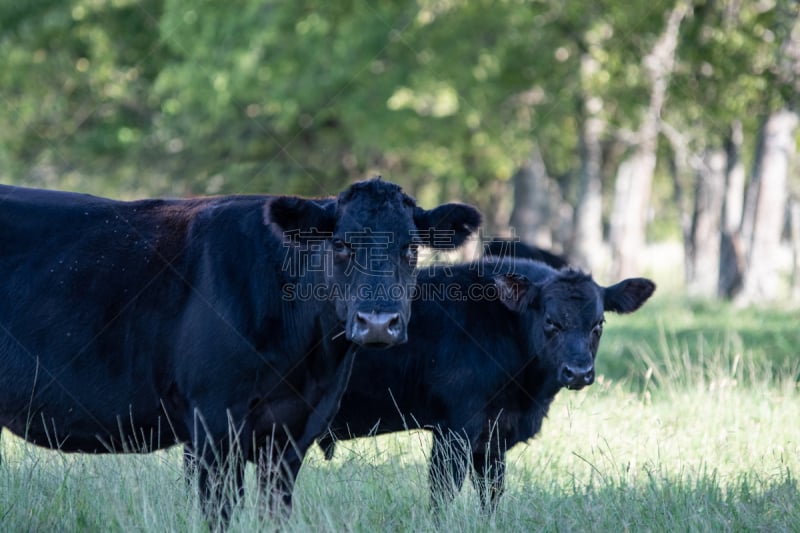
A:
x: 90, y: 289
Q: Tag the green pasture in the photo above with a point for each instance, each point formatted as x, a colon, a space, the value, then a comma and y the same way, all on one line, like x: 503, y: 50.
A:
x: 693, y: 425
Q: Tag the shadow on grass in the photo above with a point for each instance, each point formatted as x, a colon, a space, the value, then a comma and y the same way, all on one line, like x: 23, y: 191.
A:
x: 662, y: 503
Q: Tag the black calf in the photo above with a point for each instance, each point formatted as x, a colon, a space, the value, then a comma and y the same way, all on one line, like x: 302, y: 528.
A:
x: 482, y: 366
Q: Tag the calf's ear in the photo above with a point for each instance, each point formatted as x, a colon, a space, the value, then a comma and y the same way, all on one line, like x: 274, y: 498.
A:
x: 292, y: 215
x: 446, y: 226
x: 513, y: 291
x: 627, y: 295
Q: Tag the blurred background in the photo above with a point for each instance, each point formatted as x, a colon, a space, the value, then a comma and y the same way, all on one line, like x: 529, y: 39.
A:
x: 636, y: 137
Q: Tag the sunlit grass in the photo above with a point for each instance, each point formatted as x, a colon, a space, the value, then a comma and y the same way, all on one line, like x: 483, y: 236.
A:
x: 692, y: 429
x: 666, y: 325
x: 606, y: 459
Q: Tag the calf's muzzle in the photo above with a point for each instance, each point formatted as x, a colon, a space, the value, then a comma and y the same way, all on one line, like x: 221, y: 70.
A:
x: 575, y: 377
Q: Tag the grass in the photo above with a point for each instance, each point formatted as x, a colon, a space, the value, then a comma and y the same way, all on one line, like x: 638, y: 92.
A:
x: 764, y: 336
x: 692, y: 426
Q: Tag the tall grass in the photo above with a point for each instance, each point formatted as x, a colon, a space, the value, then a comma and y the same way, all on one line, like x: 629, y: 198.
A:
x: 686, y: 430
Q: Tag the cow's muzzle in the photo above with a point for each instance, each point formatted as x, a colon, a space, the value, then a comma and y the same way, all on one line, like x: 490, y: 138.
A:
x: 576, y: 377
x: 378, y: 330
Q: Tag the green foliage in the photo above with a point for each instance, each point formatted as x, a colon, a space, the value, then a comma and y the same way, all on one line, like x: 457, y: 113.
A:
x: 127, y: 97
x: 728, y: 55
x: 75, y: 78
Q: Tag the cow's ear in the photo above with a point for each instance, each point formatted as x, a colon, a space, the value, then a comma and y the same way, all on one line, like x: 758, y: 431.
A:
x: 512, y: 290
x: 292, y: 214
x: 446, y: 226
x: 627, y: 295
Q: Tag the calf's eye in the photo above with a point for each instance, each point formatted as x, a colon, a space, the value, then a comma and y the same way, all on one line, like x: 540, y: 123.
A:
x: 410, y: 254
x: 340, y: 247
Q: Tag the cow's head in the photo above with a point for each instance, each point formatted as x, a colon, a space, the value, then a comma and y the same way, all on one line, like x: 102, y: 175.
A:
x: 563, y: 314
x: 371, y: 234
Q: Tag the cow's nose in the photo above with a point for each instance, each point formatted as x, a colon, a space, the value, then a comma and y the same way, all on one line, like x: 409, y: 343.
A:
x: 377, y: 329
x: 575, y: 376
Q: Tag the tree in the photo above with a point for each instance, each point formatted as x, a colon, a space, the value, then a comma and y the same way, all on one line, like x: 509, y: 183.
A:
x: 765, y: 208
x: 635, y: 174
x: 470, y: 100
x: 536, y: 202
x: 766, y: 201
x: 721, y: 77
x: 586, y: 249
x: 703, y: 253
x: 731, y: 252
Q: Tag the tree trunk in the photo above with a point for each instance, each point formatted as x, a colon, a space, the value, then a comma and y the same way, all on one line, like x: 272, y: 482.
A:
x: 731, y: 252
x: 533, y: 209
x: 587, y: 243
x: 498, y: 208
x: 735, y: 180
x: 765, y: 202
x: 629, y: 214
x: 765, y: 207
x: 704, y: 235
x: 794, y: 225
x: 635, y: 174
x: 680, y: 162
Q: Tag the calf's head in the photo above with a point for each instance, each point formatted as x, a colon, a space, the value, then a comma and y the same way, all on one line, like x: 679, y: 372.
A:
x: 564, y: 314
x: 368, y: 238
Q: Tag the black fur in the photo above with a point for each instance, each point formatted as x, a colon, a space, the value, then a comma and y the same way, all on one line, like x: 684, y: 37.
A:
x: 504, y: 248
x: 488, y: 344
x: 133, y: 326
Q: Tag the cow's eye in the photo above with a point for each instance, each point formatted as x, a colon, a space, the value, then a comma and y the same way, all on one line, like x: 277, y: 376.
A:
x: 340, y: 247
x: 551, y: 326
x: 410, y: 254
x: 597, y: 330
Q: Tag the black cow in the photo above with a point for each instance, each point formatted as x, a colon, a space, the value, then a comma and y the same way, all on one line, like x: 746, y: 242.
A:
x: 133, y: 326
x: 490, y: 345
x: 502, y: 248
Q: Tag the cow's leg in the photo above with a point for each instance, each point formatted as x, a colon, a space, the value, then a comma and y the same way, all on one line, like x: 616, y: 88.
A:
x: 488, y: 477
x: 279, y: 465
x: 218, y: 457
x: 276, y: 475
x: 327, y: 442
x: 449, y: 457
x: 189, y: 464
x: 218, y: 481
x: 325, y: 408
